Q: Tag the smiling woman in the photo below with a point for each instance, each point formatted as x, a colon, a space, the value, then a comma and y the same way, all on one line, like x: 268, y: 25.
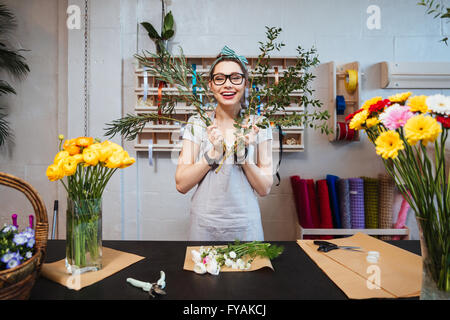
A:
x: 224, y: 206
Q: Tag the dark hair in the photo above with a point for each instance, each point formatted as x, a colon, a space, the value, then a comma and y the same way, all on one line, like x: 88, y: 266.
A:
x: 227, y: 58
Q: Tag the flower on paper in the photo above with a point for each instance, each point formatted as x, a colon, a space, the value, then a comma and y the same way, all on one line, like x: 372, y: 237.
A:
x: 358, y: 120
x: 366, y: 105
x: 213, y: 267
x: 232, y: 254
x: 439, y: 104
x: 422, y: 128
x: 388, y: 144
x: 418, y: 104
x: 196, y: 256
x: 445, y: 121
x: 395, y: 116
x: 400, y: 97
x: 199, y: 268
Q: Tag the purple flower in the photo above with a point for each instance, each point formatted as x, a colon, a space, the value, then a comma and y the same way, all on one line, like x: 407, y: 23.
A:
x: 28, y: 255
x: 12, y: 263
x: 7, y: 256
x: 9, y: 228
x: 28, y: 232
x: 30, y: 243
x: 20, y: 239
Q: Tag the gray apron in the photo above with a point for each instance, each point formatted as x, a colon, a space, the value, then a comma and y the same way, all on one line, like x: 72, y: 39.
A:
x: 224, y: 206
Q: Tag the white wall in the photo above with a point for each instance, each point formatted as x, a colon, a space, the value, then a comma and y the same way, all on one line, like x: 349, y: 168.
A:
x: 141, y: 202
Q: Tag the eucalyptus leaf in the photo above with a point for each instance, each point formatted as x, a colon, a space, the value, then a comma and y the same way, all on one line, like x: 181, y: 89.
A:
x: 168, y: 22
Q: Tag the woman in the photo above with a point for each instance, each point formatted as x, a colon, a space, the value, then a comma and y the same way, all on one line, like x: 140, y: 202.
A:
x: 224, y: 206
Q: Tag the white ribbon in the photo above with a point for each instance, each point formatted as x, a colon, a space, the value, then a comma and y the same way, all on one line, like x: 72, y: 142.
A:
x: 150, y: 152
x: 145, y: 86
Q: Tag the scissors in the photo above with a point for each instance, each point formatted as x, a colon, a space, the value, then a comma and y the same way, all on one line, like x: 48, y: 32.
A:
x: 325, y: 246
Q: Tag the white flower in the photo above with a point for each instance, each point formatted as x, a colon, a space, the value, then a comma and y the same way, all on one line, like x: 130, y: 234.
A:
x: 248, y: 266
x: 28, y: 255
x: 228, y: 262
x: 196, y: 256
x: 20, y: 239
x: 240, y: 264
x: 213, y: 267
x: 439, y: 103
x: 199, y: 268
x: 12, y: 263
x: 234, y: 265
x: 232, y: 254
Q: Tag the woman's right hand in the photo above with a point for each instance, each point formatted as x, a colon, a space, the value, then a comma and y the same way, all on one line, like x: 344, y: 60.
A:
x: 216, y: 138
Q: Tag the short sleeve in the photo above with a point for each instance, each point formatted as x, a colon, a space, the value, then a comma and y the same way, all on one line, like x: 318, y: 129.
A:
x: 264, y: 134
x: 193, y: 130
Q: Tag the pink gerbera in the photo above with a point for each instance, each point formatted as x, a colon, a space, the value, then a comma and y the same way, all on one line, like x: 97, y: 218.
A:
x: 395, y: 116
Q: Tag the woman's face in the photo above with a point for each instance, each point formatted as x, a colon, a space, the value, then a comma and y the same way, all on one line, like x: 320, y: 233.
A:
x: 229, y: 93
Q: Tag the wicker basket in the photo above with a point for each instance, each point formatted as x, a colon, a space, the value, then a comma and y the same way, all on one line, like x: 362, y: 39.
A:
x: 16, y: 283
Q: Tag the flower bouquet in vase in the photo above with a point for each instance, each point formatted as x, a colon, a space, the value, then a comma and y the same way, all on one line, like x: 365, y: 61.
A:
x: 410, y: 134
x: 88, y: 165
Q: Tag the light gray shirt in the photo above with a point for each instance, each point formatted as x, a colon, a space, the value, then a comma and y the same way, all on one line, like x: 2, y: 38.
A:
x: 224, y: 206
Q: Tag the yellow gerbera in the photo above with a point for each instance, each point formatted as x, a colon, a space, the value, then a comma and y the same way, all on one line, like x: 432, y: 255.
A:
x: 418, y: 104
x: 423, y: 128
x: 372, y: 122
x: 400, y: 97
x: 358, y: 120
x: 370, y: 102
x: 388, y: 144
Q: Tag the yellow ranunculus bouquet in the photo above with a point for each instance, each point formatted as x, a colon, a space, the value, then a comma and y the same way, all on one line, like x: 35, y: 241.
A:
x: 401, y: 127
x: 88, y: 165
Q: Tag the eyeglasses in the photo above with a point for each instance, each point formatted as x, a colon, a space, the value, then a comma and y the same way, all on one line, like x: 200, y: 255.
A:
x: 235, y: 78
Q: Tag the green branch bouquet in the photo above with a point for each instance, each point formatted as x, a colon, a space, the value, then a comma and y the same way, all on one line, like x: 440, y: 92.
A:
x: 264, y: 103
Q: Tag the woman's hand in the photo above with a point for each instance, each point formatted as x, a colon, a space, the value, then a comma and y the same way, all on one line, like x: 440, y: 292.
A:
x: 244, y: 141
x: 216, y: 138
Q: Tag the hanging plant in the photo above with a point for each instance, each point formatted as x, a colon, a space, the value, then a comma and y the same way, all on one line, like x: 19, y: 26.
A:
x: 167, y: 32
x: 12, y: 62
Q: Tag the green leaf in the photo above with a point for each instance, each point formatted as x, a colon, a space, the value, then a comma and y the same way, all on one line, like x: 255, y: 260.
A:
x: 152, y: 33
x: 168, y: 22
x: 167, y: 34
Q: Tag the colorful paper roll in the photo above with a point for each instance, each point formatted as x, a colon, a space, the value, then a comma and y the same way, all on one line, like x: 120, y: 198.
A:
x: 194, y: 79
x: 385, y: 203
x: 300, y: 189
x: 326, y: 219
x: 371, y: 202
x: 344, y: 203
x: 356, y: 191
x: 160, y: 87
x: 315, y: 217
x: 351, y: 80
x: 334, y: 202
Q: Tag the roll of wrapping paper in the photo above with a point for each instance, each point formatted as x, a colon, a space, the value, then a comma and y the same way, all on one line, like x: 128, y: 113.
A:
x: 344, y: 203
x: 356, y: 191
x: 300, y: 189
x: 313, y: 204
x: 334, y: 201
x: 350, y: 133
x: 276, y: 75
x: 371, y: 202
x: 194, y: 79
x: 160, y: 87
x: 385, y: 203
x: 351, y: 80
x: 326, y: 219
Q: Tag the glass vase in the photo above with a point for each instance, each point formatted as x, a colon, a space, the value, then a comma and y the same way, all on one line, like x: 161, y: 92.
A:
x: 83, y: 235
x: 436, y: 264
